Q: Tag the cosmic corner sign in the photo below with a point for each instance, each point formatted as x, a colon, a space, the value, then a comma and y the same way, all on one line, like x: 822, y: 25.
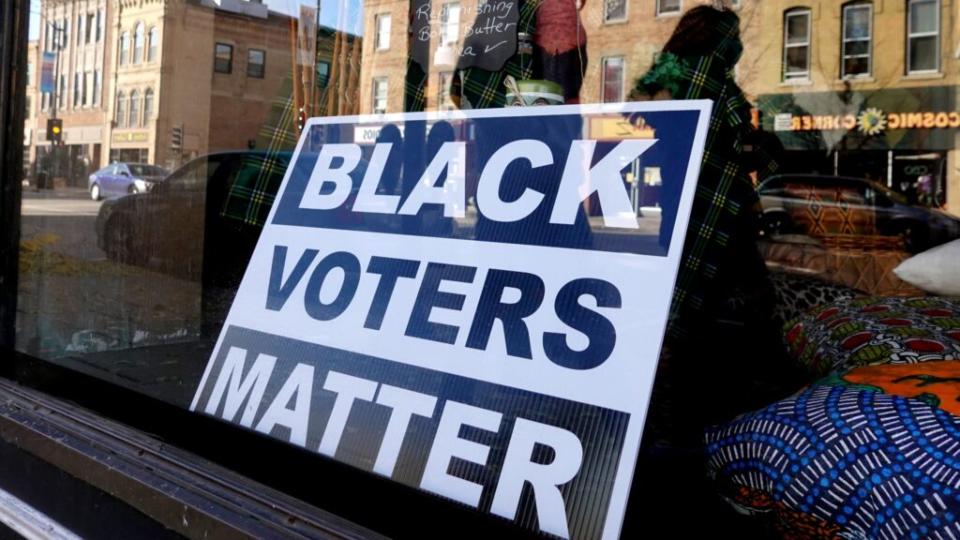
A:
x: 506, y: 270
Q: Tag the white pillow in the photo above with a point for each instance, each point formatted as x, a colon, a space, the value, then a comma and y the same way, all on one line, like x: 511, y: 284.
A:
x: 936, y: 270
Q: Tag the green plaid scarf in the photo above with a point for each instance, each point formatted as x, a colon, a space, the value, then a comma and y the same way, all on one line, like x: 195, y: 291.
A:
x: 725, y: 204
x: 256, y: 183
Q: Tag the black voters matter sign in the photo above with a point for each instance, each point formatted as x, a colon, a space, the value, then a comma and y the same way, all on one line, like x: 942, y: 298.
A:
x: 471, y: 303
x: 490, y: 38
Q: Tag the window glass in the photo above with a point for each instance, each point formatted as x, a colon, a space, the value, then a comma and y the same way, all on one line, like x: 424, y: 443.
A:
x: 796, y: 48
x: 383, y: 31
x: 923, y: 36
x: 134, y: 120
x: 223, y: 58
x: 614, y: 10
x: 379, y: 96
x: 148, y: 105
x: 856, y: 39
x: 153, y: 40
x: 826, y: 170
x: 668, y: 6
x: 613, y: 79
x: 124, y: 48
x: 138, y: 43
x: 450, y: 21
x: 255, y: 63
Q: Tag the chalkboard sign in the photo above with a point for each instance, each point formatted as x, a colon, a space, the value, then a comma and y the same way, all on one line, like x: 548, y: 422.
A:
x: 487, y: 43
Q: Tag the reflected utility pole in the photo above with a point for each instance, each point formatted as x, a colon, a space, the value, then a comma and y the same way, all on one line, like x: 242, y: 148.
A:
x: 57, y: 46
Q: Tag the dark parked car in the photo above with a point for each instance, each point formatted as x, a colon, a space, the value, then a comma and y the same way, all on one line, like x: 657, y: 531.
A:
x: 819, y: 205
x: 200, y: 224
x: 119, y: 179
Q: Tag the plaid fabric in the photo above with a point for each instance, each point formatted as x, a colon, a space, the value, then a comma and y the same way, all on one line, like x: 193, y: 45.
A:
x: 482, y: 89
x: 415, y: 88
x: 257, y: 181
x: 723, y: 220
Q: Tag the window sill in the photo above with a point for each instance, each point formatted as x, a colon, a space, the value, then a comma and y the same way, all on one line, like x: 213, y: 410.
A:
x: 668, y: 15
x: 615, y: 22
x: 179, y: 490
x: 922, y: 75
x: 796, y: 82
x: 856, y: 80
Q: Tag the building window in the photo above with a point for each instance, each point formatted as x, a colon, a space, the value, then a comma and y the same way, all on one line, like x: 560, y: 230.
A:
x: 796, y: 45
x: 857, y: 33
x: 223, y: 58
x: 99, y: 25
x: 96, y: 87
x: 923, y: 36
x: 614, y: 10
x: 120, y: 115
x: 80, y: 27
x: 134, y: 109
x: 612, y: 84
x: 380, y: 95
x: 124, y: 48
x: 666, y: 7
x: 85, y: 96
x: 148, y: 106
x: 383, y: 31
x: 77, y: 76
x: 443, y: 92
x: 450, y: 22
x: 138, y: 43
x: 323, y: 74
x: 255, y: 62
x: 153, y: 41
x: 90, y: 28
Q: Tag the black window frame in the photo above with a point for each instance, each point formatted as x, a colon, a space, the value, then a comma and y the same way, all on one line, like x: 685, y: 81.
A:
x: 218, y: 66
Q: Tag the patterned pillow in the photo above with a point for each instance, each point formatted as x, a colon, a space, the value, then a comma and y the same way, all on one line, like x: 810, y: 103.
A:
x: 884, y: 330
x: 796, y: 294
x: 843, y: 459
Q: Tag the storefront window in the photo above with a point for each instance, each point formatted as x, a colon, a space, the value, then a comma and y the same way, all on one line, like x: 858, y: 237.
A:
x: 826, y: 183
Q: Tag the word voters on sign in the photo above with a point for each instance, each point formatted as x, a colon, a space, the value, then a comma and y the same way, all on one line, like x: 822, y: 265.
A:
x: 471, y: 304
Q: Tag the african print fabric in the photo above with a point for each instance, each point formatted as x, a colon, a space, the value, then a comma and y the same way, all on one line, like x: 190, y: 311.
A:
x: 874, y: 330
x: 842, y: 460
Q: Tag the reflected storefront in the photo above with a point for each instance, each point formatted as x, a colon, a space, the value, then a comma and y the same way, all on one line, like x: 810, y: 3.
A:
x: 904, y: 138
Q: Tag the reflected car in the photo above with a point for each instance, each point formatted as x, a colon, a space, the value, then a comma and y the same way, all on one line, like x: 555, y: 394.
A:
x: 819, y: 205
x: 119, y: 179
x: 166, y: 228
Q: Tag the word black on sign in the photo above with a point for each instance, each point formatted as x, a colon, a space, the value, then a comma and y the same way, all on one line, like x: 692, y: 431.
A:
x: 469, y: 303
